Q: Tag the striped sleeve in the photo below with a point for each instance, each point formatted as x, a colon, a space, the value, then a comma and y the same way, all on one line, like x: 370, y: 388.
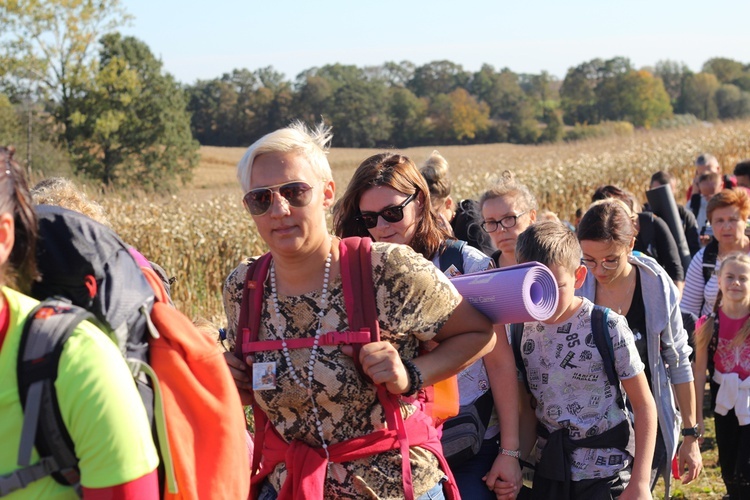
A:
x: 692, y: 294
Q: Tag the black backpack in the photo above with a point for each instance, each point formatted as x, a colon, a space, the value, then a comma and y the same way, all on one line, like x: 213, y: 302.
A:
x: 467, y: 226
x: 87, y: 273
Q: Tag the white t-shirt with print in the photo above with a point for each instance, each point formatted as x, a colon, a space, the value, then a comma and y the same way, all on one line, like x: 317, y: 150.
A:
x: 566, y: 376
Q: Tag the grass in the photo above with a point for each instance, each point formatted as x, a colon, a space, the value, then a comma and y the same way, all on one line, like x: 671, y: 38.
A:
x: 709, y: 484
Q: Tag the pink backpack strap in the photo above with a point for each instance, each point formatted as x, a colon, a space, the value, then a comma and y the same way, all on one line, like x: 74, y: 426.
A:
x: 362, y: 312
x: 251, y: 309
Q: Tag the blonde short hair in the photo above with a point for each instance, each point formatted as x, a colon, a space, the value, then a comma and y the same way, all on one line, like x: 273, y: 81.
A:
x: 296, y: 138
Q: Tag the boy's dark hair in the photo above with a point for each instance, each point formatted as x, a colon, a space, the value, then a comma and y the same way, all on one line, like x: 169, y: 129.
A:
x: 742, y: 168
x: 550, y: 243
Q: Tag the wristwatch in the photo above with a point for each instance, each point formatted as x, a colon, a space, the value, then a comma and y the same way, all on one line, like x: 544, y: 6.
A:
x: 511, y: 453
x: 692, y: 432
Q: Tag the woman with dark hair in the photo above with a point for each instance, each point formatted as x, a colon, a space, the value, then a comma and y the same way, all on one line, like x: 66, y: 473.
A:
x: 98, y: 400
x: 653, y: 238
x: 637, y: 287
x: 388, y: 199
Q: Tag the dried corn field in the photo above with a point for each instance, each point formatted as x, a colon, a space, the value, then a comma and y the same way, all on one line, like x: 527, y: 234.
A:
x: 201, y: 232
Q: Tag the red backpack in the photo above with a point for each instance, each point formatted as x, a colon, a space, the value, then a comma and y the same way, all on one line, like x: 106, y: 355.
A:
x: 361, y: 308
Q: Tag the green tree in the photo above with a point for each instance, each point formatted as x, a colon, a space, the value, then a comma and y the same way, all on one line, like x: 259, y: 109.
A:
x: 634, y: 96
x: 698, y: 96
x: 523, y: 127
x: 577, y: 97
x: 731, y: 102
x: 726, y: 70
x: 554, y: 129
x: 131, y: 127
x: 672, y: 74
x: 500, y: 90
x: 212, y: 105
x: 408, y: 117
x: 358, y: 115
x: 49, y: 44
x: 438, y: 77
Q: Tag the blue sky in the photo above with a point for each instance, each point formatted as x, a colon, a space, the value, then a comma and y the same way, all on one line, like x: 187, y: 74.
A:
x: 204, y: 39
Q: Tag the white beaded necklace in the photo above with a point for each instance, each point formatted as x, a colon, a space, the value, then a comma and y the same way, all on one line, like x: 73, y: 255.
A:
x: 315, y: 348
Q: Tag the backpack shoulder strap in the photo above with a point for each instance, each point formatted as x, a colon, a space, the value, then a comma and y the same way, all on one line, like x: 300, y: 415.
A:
x: 713, y: 343
x: 709, y: 259
x: 359, y: 289
x: 603, y: 342
x: 452, y: 254
x: 362, y: 312
x: 248, y: 324
x: 695, y: 203
x: 516, y: 337
x: 47, y: 328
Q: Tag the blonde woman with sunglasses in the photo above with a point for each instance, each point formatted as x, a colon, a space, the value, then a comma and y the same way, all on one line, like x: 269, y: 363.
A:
x: 319, y: 405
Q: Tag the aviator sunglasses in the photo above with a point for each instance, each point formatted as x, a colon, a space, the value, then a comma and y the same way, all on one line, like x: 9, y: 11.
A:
x: 258, y: 201
x: 390, y: 214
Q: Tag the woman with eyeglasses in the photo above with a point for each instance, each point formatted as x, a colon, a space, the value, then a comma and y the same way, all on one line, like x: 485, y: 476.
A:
x: 638, y: 288
x: 327, y: 435
x: 508, y: 208
x: 727, y: 212
x: 389, y: 200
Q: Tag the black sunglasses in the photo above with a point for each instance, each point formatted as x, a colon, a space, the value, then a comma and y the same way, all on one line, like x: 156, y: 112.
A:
x: 390, y: 214
x: 258, y: 201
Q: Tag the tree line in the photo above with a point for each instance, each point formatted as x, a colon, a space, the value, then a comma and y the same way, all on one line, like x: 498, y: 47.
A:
x: 402, y: 104
x: 104, y: 103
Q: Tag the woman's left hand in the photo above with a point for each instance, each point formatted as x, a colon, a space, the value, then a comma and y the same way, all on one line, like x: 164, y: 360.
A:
x: 382, y: 363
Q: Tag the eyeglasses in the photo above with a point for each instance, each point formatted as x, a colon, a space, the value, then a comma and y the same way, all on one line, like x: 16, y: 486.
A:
x: 390, y: 214
x: 608, y: 264
x: 258, y: 201
x: 490, y: 226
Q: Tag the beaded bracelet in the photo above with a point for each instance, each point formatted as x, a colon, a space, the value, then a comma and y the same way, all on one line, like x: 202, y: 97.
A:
x: 415, y: 377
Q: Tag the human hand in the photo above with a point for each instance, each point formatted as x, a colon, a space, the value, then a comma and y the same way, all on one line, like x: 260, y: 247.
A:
x: 240, y: 373
x: 690, y: 457
x: 637, y: 491
x: 504, y: 478
x: 382, y: 363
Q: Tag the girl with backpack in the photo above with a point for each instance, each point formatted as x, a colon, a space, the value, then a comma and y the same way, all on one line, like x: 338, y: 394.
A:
x: 723, y: 347
x: 389, y: 200
x: 97, y: 398
x: 329, y: 430
x: 638, y: 288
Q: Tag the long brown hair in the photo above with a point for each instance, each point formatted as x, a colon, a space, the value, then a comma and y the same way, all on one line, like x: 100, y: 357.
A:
x: 15, y: 199
x: 706, y: 331
x: 400, y: 173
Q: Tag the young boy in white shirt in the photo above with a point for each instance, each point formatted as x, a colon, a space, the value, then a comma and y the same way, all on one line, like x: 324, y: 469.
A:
x: 585, y: 440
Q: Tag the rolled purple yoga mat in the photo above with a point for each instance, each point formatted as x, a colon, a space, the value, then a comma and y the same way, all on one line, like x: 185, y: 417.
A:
x: 516, y: 294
